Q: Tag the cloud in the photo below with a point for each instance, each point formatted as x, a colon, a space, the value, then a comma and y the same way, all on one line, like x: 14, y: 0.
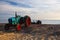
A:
x: 36, y: 9
x: 7, y: 11
x: 16, y: 4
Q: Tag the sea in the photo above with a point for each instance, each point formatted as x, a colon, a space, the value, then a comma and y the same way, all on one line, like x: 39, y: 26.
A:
x: 50, y: 21
x: 43, y: 21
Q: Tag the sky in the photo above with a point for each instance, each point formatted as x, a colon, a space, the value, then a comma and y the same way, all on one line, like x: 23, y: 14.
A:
x: 36, y: 9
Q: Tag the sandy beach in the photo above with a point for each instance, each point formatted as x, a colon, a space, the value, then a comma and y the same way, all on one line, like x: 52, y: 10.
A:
x: 34, y: 32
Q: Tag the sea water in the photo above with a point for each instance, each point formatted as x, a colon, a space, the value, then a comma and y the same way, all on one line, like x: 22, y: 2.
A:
x: 50, y: 21
x: 43, y: 21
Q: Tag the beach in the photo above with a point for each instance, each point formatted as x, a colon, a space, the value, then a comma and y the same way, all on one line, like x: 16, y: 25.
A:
x: 34, y: 32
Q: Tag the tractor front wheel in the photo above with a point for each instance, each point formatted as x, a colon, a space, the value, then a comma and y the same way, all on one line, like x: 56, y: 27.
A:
x: 6, y: 27
x: 18, y: 27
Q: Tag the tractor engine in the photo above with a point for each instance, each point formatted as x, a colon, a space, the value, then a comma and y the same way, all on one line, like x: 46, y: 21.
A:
x: 17, y: 21
x: 14, y: 20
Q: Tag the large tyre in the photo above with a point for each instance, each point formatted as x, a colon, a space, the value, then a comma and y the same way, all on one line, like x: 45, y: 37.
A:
x: 27, y: 21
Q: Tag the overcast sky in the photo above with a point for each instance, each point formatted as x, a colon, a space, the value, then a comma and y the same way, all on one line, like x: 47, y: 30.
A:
x: 36, y: 9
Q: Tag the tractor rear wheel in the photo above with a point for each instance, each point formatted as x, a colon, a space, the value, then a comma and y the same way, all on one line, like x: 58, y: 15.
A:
x: 27, y: 21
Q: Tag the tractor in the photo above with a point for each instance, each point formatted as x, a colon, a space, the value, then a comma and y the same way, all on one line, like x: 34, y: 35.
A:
x: 17, y: 22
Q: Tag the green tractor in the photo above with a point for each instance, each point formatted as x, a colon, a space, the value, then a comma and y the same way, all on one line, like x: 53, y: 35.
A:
x: 18, y: 22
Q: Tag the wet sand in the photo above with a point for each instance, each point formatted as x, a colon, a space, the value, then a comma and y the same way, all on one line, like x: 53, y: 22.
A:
x: 34, y: 32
